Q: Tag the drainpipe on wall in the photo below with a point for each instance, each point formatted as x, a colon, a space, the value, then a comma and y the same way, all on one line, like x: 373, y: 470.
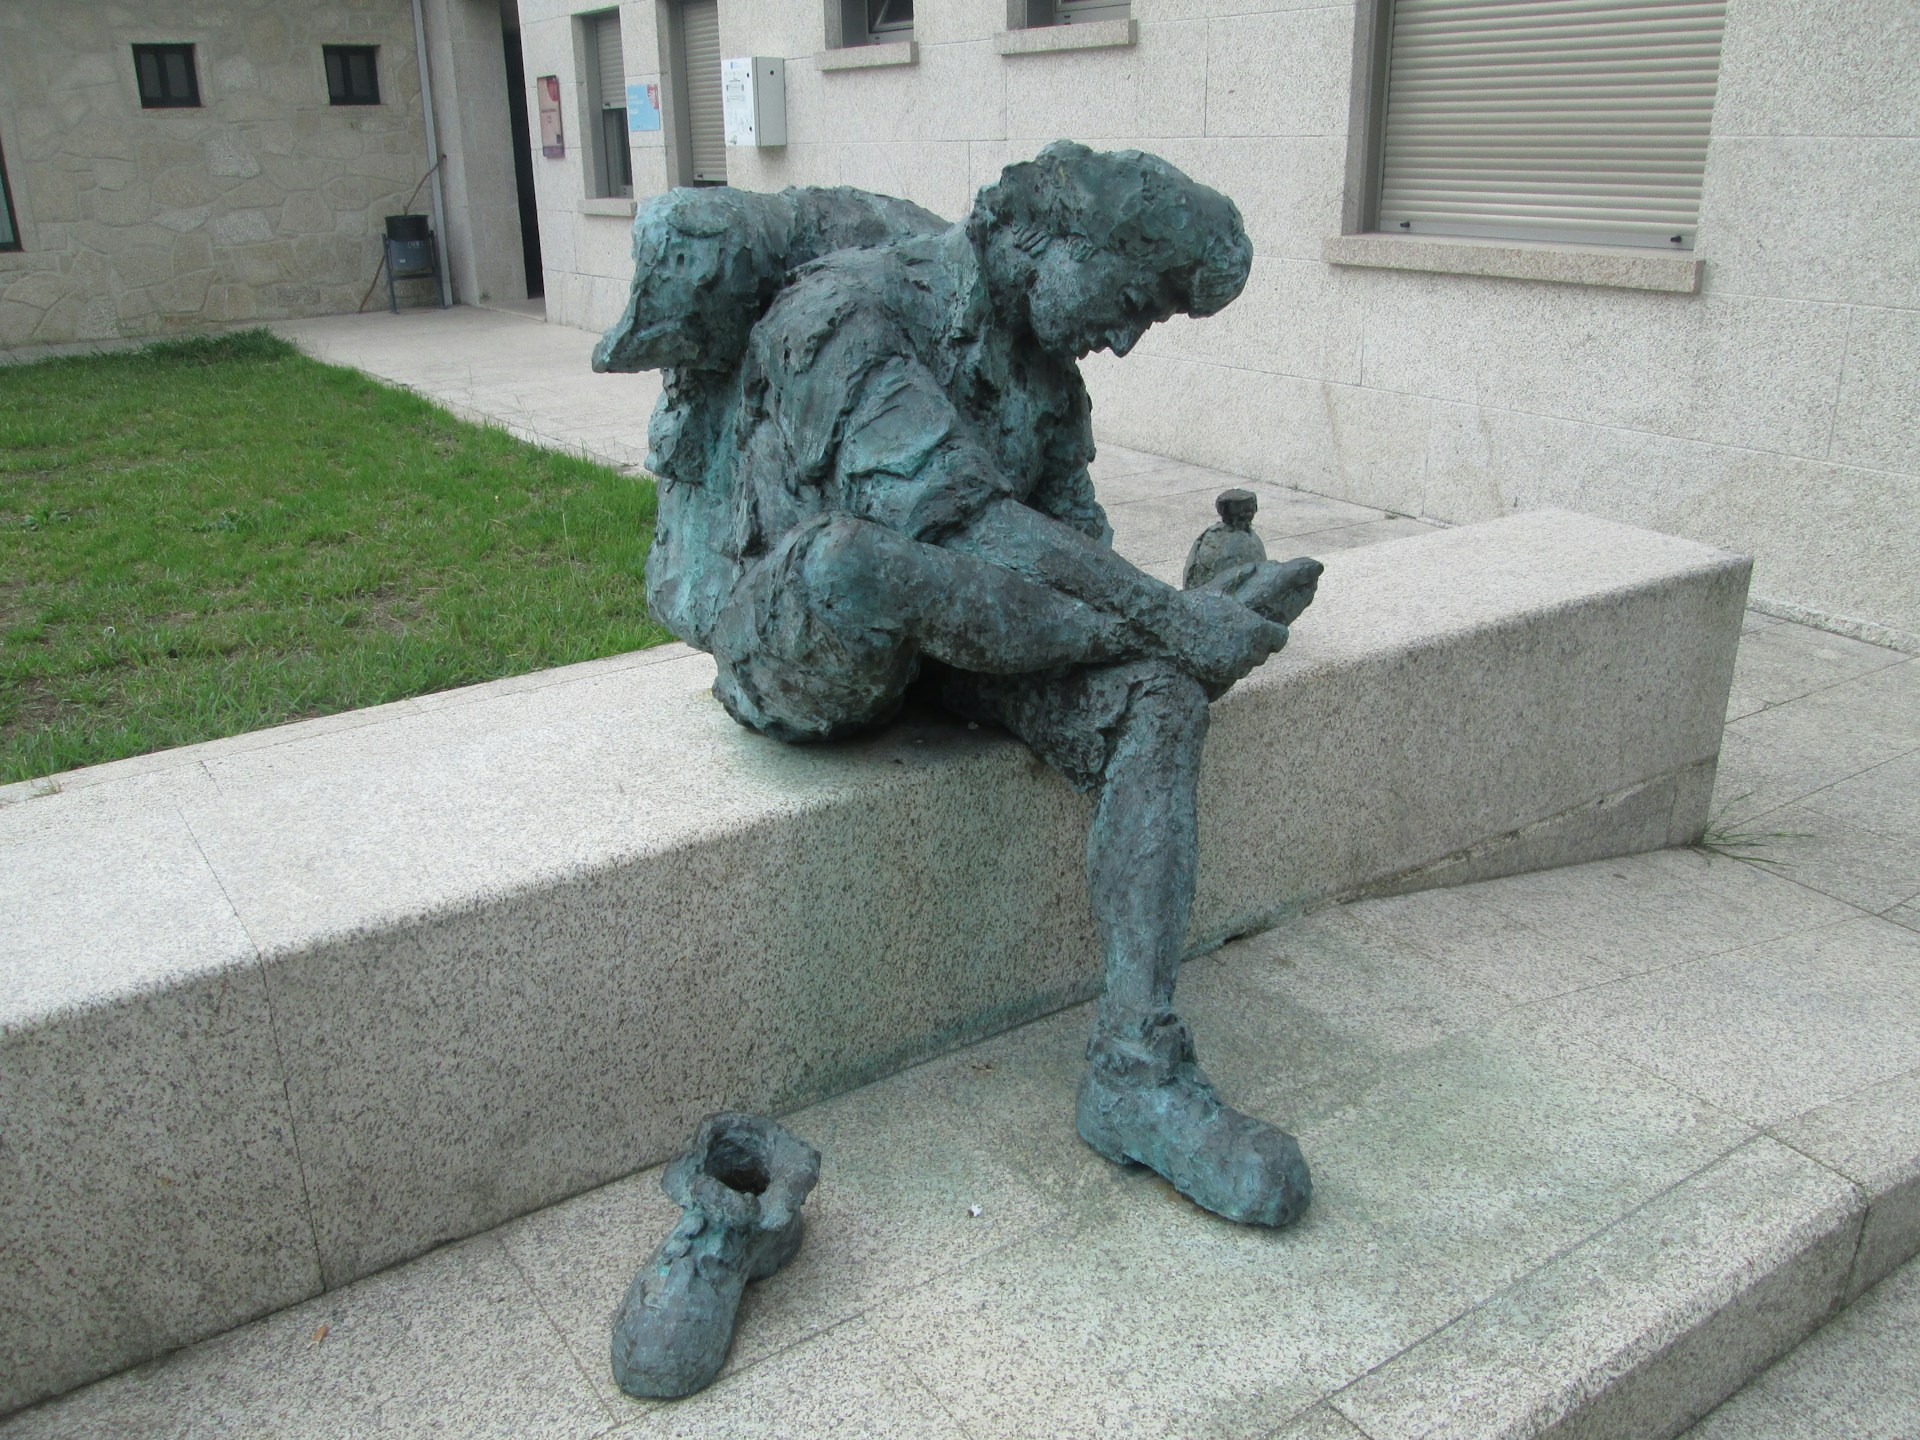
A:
x: 434, y: 157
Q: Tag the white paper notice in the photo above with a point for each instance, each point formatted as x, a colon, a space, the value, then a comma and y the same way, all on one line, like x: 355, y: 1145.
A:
x: 736, y: 99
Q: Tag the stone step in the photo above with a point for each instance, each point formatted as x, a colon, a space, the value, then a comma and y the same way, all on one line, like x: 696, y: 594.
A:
x: 1574, y: 1177
x: 295, y: 1006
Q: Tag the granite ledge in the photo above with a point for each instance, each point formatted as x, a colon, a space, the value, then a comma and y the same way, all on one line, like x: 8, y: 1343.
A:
x: 1617, y: 267
x: 869, y: 57
x: 1045, y: 39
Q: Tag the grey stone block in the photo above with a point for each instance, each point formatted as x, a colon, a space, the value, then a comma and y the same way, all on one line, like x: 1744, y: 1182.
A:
x: 1531, y: 936
x: 1852, y: 840
x: 1765, y: 1031
x: 1643, y: 1328
x: 1786, y: 753
x: 1813, y: 217
x: 452, y: 1345
x: 1878, y: 392
x: 149, y: 1188
x: 851, y: 1384
x: 1873, y: 1138
x: 1323, y: 1422
x: 1097, y: 84
x: 1778, y: 664
x: 1859, y: 1377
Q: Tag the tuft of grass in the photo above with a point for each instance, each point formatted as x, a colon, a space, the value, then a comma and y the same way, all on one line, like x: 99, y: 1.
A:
x: 211, y: 535
x: 1731, y: 840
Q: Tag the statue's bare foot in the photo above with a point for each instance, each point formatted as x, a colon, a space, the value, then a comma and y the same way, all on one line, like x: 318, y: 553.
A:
x: 1150, y: 1102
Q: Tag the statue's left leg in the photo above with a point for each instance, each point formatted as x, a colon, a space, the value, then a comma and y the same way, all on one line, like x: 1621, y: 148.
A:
x: 1145, y: 1097
x: 1132, y: 733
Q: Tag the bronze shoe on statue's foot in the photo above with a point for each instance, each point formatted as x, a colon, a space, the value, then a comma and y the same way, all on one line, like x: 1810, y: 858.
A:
x: 1148, y: 1101
x: 742, y: 1185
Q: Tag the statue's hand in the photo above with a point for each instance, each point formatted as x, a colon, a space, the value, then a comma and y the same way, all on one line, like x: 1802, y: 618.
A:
x: 1218, y: 640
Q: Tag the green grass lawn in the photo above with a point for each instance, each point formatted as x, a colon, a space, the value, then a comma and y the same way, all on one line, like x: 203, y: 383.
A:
x: 210, y: 536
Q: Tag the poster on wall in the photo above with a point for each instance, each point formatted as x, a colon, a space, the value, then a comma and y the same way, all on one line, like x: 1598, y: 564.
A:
x: 553, y: 144
x: 643, y: 105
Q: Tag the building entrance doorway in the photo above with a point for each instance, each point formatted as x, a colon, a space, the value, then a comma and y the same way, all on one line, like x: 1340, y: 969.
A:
x: 522, y: 148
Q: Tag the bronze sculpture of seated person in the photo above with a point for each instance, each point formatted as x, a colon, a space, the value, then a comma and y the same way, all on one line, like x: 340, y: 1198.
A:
x: 873, y: 444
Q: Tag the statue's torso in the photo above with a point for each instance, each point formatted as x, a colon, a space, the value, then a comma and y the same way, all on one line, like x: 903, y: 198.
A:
x: 899, y: 340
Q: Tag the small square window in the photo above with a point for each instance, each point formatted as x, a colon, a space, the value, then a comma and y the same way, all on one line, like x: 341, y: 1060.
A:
x: 351, y: 76
x: 167, y: 78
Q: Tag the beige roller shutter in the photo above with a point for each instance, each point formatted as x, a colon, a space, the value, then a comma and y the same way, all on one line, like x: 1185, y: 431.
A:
x: 1575, y: 120
x: 700, y: 35
x: 610, y: 60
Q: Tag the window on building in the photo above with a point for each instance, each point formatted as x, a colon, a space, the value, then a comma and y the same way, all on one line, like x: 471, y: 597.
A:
x: 9, y: 230
x: 889, y: 20
x: 166, y: 76
x: 868, y: 22
x: 607, y: 98
x: 697, y: 62
x: 352, y: 78
x: 1560, y: 121
x: 1081, y: 12
x: 1035, y: 13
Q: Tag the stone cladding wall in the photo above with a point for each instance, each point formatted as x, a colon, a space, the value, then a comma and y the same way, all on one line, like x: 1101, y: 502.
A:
x: 266, y: 202
x: 1776, y: 412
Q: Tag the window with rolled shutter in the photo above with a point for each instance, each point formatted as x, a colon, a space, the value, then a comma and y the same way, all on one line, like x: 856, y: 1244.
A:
x: 706, y: 123
x: 1572, y: 120
x: 607, y: 79
x: 610, y: 65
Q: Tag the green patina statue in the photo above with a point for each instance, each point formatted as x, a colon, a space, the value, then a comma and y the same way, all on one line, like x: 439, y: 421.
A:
x: 873, y: 442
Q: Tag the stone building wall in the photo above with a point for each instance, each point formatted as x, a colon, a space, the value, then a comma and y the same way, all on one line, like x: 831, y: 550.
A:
x: 1775, y: 412
x: 264, y: 202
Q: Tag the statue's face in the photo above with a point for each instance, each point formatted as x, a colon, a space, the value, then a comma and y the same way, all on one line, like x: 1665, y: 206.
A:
x: 1098, y: 299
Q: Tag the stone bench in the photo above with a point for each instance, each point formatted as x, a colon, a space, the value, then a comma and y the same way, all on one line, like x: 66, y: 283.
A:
x: 283, y: 1009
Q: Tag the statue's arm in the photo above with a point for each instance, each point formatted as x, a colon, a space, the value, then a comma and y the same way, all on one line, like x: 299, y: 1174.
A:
x: 906, y: 461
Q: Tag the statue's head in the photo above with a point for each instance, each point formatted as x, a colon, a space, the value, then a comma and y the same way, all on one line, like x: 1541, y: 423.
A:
x: 1098, y: 246
x: 705, y: 264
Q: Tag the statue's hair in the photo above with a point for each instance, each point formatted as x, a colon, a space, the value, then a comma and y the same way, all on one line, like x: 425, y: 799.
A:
x: 1125, y: 201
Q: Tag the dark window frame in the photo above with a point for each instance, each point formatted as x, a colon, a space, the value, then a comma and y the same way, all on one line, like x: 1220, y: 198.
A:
x: 6, y: 208
x: 163, y: 96
x: 884, y: 21
x: 345, y: 92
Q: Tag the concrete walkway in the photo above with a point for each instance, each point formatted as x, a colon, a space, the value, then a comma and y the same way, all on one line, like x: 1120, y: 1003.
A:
x: 502, y: 367
x: 1548, y: 1114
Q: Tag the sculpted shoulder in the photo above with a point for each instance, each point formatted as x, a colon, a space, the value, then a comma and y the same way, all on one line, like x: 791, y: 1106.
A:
x: 887, y: 297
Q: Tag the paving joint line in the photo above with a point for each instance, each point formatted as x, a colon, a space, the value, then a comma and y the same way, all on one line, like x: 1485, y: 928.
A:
x: 260, y: 968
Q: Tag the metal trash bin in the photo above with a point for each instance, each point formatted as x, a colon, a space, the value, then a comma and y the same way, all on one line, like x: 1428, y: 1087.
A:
x: 411, y: 254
